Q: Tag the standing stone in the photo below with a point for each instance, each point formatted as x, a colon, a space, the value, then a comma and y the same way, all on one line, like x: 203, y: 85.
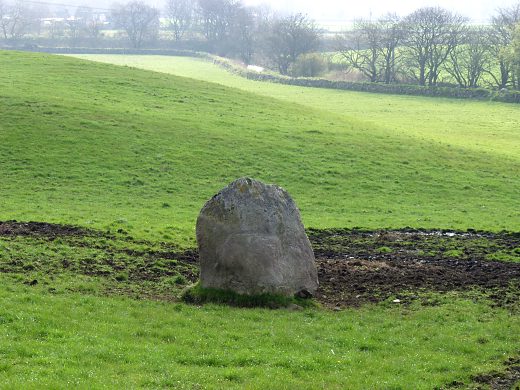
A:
x: 252, y: 241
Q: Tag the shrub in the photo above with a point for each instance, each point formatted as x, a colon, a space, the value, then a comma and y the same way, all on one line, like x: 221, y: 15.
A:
x: 309, y: 65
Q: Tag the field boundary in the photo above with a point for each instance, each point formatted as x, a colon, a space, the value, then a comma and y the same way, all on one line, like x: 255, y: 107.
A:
x: 483, y: 94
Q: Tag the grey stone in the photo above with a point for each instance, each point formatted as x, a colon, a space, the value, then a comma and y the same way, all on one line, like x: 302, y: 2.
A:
x: 252, y: 241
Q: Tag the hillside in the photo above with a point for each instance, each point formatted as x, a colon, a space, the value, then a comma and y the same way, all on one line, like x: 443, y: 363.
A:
x: 480, y: 126
x: 120, y: 148
x: 129, y: 157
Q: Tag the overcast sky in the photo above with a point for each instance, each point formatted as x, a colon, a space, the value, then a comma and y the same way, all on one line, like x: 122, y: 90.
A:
x: 345, y: 10
x: 478, y: 10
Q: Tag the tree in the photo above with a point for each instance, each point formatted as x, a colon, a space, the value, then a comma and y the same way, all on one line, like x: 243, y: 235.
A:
x: 230, y: 27
x: 180, y: 15
x: 504, y: 23
x: 56, y: 29
x: 392, y: 36
x: 140, y: 21
x: 217, y: 18
x: 15, y: 20
x: 516, y: 53
x: 244, y: 30
x: 93, y: 28
x: 472, y: 58
x: 75, y: 27
x: 372, y: 48
x: 3, y: 18
x: 361, y: 49
x: 432, y: 33
x: 288, y: 38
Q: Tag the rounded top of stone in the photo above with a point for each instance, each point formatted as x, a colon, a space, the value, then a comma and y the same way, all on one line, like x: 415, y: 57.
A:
x: 247, y: 183
x: 247, y: 189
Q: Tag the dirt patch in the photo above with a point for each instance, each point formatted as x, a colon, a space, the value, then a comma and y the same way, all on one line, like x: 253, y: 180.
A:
x: 501, y: 380
x: 14, y: 228
x: 352, y: 282
x: 355, y: 267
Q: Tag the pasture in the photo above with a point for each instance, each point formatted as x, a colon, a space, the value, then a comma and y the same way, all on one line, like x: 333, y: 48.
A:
x: 129, y: 156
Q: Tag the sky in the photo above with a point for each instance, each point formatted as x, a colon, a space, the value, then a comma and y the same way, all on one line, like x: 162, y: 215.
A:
x: 345, y: 10
x: 477, y: 10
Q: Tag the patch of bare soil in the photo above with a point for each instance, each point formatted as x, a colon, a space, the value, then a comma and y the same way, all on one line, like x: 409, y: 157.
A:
x: 14, y: 228
x: 354, y: 266
x: 358, y: 267
x: 505, y: 380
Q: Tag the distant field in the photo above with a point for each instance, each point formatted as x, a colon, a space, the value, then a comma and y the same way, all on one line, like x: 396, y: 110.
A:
x: 130, y: 156
x: 471, y: 125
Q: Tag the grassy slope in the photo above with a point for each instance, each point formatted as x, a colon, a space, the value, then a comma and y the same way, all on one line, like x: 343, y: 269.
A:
x: 116, y: 147
x: 109, y: 147
x: 481, y: 126
x: 65, y: 340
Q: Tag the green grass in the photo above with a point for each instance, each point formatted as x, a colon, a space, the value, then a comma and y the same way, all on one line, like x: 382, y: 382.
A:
x: 138, y: 153
x: 120, y: 148
x: 480, y: 126
x: 62, y: 340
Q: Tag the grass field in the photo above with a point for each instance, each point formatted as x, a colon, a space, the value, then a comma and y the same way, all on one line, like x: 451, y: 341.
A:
x: 136, y: 153
x: 480, y: 126
x: 63, y: 340
x: 130, y: 151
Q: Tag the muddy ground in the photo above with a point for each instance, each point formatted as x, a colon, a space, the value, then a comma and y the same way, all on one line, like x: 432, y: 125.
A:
x: 370, y: 266
x: 354, y: 266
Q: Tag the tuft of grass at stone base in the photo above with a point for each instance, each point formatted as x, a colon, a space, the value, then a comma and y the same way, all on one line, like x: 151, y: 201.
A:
x: 197, y: 295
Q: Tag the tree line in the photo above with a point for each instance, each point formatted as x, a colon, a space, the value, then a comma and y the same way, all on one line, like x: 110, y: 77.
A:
x: 433, y: 41
x: 229, y: 27
x: 427, y: 47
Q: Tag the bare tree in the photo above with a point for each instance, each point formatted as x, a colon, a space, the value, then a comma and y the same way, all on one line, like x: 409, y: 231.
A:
x: 361, y: 49
x: 56, y: 29
x: 3, y: 18
x: 516, y: 52
x: 432, y: 33
x: 180, y: 15
x: 75, y: 28
x: 229, y: 27
x: 472, y: 58
x: 372, y: 48
x: 288, y: 38
x: 15, y: 20
x: 217, y: 18
x: 140, y: 21
x: 93, y: 28
x: 392, y: 36
x: 244, y: 33
x: 504, y: 23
